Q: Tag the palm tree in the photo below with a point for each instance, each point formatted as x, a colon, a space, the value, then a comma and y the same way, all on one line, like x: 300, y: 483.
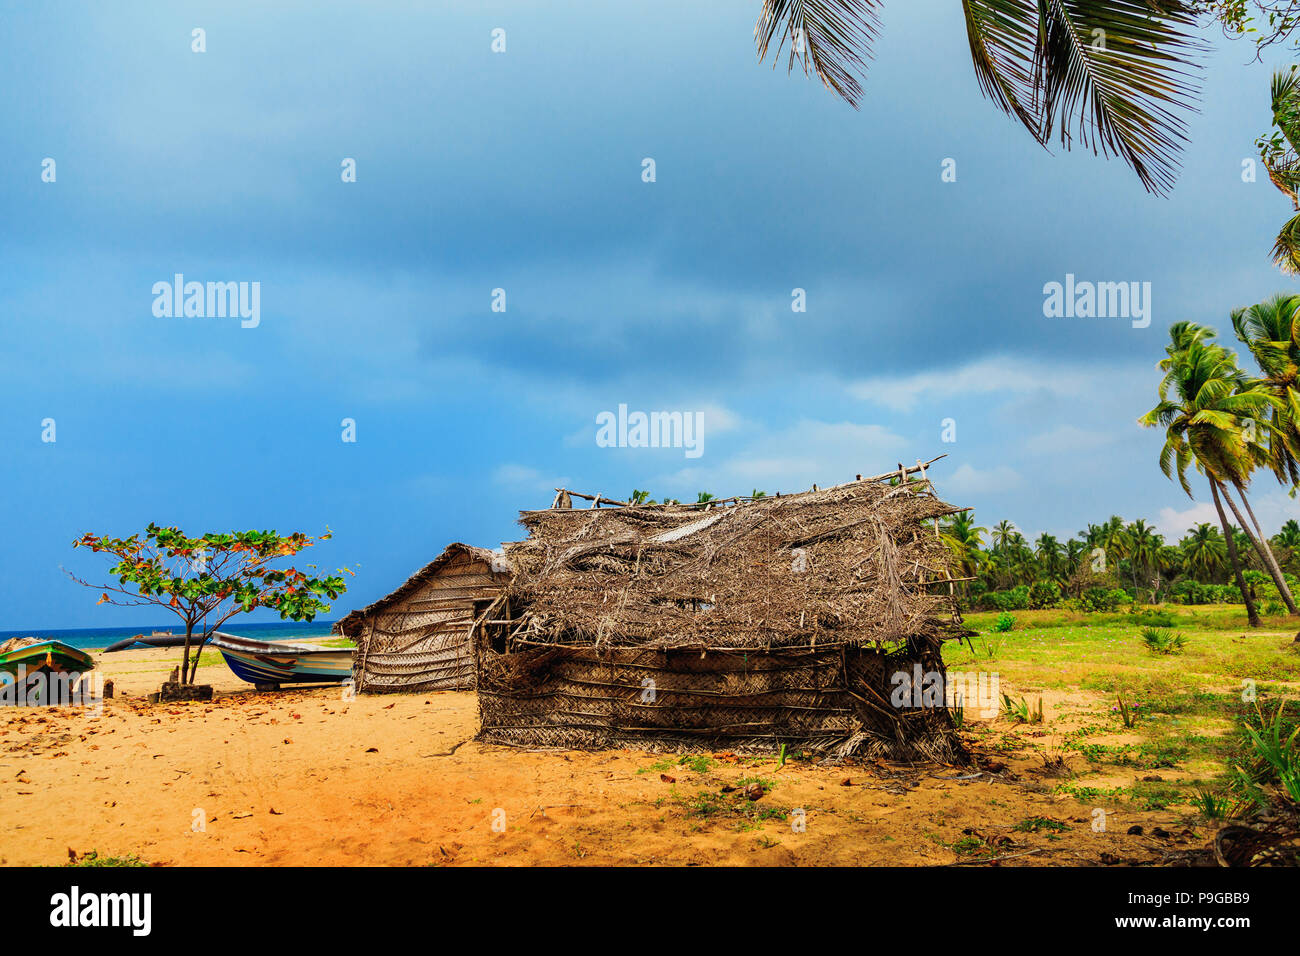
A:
x: 1143, y: 546
x: 1004, y: 533
x: 1114, y: 540
x: 963, y: 537
x: 1203, y: 423
x: 1271, y: 330
x: 1168, y: 562
x: 1289, y: 534
x: 1203, y: 552
x: 1075, y: 552
x: 1279, y: 153
x: 1051, y: 554
x: 1115, y: 73
x: 1248, y: 451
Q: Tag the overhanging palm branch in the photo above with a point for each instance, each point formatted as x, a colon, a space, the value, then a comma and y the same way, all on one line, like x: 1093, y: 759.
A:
x: 1115, y: 74
x: 1271, y: 330
x: 1280, y: 153
x: 829, y: 37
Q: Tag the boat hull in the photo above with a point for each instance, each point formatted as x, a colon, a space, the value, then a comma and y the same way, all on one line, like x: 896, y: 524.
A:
x: 53, y: 656
x: 263, y: 664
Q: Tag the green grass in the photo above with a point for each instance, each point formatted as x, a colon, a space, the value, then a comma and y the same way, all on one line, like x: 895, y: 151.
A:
x: 743, y: 813
x: 1037, y: 824
x: 339, y: 642
x: 1209, y: 617
x: 1192, y: 716
x: 94, y: 859
x: 699, y: 763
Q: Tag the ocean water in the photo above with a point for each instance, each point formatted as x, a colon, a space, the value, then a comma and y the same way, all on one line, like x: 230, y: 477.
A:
x: 93, y: 638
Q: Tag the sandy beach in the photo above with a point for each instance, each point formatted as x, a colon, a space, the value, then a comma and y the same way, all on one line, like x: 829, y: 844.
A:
x: 304, y: 777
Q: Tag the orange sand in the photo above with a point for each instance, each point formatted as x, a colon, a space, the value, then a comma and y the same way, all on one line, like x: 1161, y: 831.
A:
x: 304, y: 777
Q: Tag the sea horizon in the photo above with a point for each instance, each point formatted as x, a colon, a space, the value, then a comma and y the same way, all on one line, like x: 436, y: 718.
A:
x: 94, y: 638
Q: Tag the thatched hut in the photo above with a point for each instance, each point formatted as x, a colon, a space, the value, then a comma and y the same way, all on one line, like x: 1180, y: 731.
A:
x: 417, y: 638
x: 742, y: 625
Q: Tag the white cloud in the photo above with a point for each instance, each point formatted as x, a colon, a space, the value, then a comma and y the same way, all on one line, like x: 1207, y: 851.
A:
x: 1272, y: 508
x: 968, y: 480
x: 1064, y: 439
x: 794, y: 459
x: 522, y: 476
x: 718, y: 420
x: 990, y: 376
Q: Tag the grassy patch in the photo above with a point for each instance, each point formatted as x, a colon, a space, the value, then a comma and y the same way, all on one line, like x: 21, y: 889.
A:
x: 93, y: 858
x: 1039, y: 824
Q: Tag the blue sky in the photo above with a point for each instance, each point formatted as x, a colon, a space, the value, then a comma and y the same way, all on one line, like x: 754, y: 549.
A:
x: 522, y: 170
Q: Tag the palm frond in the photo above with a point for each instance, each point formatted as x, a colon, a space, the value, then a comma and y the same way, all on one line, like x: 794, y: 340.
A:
x: 1120, y: 73
x: 1003, y: 41
x: 1286, y: 249
x: 832, y: 38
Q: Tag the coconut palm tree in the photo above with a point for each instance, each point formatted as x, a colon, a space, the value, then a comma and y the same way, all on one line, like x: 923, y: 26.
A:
x: 1280, y: 153
x: 962, y: 537
x: 1168, y: 562
x: 1204, y: 553
x: 1250, y: 451
x: 1271, y: 330
x: 1004, y: 534
x: 1204, y: 399
x: 1051, y: 555
x: 1288, y: 535
x: 1116, y: 74
x: 1143, y: 546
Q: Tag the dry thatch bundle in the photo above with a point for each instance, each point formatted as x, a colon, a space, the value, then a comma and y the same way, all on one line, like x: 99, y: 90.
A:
x: 747, y: 624
x: 855, y: 564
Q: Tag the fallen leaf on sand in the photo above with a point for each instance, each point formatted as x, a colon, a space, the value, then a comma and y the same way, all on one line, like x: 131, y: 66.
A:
x: 667, y: 779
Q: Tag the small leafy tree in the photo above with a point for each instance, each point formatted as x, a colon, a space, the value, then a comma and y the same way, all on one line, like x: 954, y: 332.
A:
x: 207, y: 580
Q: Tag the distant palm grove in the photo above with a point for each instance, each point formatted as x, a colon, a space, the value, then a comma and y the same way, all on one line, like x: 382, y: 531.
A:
x: 1227, y: 423
x: 1112, y: 564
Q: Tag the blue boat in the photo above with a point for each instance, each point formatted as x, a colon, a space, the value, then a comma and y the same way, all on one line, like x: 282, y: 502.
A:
x: 266, y: 665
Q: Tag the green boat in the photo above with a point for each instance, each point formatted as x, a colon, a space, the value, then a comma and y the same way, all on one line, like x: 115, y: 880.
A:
x: 37, y: 656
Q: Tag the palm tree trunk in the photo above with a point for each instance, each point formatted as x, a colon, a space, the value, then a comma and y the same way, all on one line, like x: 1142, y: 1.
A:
x: 1252, y: 616
x: 1261, y: 545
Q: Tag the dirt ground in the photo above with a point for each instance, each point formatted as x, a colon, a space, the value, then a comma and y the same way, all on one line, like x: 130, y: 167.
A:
x: 305, y: 777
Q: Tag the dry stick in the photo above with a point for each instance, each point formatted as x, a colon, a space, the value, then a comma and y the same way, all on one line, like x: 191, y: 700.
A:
x: 900, y: 471
x: 448, y: 753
